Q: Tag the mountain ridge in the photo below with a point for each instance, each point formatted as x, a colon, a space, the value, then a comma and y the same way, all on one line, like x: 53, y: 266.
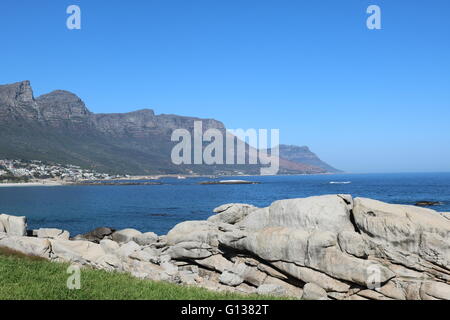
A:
x: 303, y: 154
x: 58, y: 126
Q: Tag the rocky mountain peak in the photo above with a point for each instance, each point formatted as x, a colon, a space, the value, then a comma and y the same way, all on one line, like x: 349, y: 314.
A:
x: 62, y: 105
x: 16, y: 92
x: 17, y: 101
x: 24, y: 92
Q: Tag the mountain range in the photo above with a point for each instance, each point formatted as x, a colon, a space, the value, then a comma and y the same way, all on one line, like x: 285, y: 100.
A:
x: 58, y: 127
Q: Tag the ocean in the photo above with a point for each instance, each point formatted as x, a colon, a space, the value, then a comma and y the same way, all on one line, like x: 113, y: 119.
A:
x: 159, y: 208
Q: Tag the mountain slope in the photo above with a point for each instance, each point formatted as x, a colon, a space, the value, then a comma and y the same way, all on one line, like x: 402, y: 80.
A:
x: 58, y: 127
x: 304, y: 155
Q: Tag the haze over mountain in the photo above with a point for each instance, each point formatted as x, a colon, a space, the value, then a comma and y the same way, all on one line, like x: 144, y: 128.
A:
x: 58, y: 127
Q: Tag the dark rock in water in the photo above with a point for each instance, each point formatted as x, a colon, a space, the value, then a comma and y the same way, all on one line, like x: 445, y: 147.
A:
x: 427, y: 203
x: 159, y: 214
x: 95, y: 235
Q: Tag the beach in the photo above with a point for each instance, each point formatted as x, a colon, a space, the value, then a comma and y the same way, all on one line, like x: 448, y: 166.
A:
x: 32, y: 184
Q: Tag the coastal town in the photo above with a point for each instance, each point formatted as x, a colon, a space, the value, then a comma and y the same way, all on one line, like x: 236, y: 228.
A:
x: 20, y: 171
x: 40, y: 173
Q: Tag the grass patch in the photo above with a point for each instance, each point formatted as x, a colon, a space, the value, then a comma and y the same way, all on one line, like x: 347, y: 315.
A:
x: 31, y: 278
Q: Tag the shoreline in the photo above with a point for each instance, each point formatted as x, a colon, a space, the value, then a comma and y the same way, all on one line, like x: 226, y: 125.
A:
x: 33, y: 184
x: 52, y: 183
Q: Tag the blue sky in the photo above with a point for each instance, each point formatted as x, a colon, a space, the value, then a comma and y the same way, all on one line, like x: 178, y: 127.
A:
x: 364, y: 100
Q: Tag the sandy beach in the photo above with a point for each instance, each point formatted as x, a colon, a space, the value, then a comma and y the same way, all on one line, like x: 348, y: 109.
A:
x: 32, y: 184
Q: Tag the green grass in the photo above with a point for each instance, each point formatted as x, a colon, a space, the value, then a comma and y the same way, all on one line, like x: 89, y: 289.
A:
x: 28, y: 278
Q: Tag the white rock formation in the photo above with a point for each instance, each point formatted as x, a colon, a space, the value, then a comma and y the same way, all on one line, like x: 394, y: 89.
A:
x: 48, y: 233
x: 15, y: 226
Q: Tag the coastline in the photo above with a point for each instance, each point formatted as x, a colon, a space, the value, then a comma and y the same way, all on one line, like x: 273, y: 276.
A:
x: 53, y: 183
x: 33, y: 184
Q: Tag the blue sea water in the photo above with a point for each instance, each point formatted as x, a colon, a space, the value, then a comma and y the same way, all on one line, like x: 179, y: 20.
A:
x: 158, y: 208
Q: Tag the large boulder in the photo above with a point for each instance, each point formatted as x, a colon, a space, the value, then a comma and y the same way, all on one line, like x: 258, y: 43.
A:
x: 337, y: 264
x: 324, y: 213
x: 28, y: 246
x: 230, y: 279
x: 306, y: 274
x: 96, y: 235
x: 12, y: 225
x: 435, y: 291
x: 393, y: 289
x: 109, y: 262
x: 194, y: 231
x: 145, y: 270
x: 127, y: 249
x: 83, y: 252
x: 398, y: 226
x: 190, y: 250
x: 231, y: 213
x: 435, y: 249
x: 216, y: 262
x: 126, y: 235
x: 250, y: 274
x: 284, y: 288
x: 408, y: 235
x: 271, y: 271
x: 312, y: 291
x: 146, y: 239
x: 272, y: 244
x: 109, y: 246
x: 316, y: 250
x: 147, y: 255
x: 48, y: 233
x: 353, y: 243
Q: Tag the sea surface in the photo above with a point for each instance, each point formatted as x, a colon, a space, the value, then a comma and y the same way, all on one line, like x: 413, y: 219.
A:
x: 159, y: 208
